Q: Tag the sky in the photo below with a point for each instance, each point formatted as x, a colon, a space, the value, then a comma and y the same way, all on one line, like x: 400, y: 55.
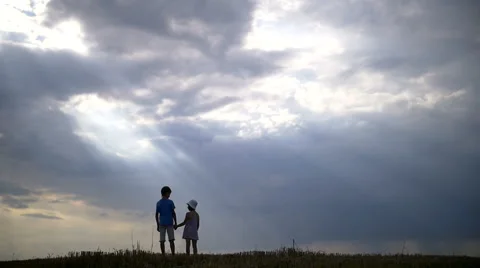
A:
x: 350, y: 126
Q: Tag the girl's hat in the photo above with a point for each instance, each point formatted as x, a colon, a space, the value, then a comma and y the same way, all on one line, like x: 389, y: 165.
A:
x: 193, y: 203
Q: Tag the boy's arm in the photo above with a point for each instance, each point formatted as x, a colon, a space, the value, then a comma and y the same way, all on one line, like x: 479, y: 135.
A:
x: 198, y: 221
x: 157, y: 214
x: 174, y: 215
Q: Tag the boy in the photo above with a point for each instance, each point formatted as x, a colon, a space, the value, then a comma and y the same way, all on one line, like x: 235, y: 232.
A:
x: 166, y: 219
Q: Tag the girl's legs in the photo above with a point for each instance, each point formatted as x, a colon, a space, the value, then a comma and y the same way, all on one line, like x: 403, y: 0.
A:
x: 194, y: 245
x: 187, y: 245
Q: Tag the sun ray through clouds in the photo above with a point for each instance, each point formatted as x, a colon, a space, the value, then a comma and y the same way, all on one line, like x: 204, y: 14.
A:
x: 111, y: 126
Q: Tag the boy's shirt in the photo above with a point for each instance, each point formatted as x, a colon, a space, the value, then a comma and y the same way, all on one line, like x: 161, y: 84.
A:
x: 165, y: 208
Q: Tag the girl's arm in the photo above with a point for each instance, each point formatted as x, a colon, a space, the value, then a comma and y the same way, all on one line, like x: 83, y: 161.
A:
x: 198, y: 221
x: 187, y: 218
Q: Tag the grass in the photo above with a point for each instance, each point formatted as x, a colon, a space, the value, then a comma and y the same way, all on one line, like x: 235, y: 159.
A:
x: 254, y: 259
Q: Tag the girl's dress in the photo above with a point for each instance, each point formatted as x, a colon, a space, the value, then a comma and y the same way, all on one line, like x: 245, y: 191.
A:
x: 190, y: 231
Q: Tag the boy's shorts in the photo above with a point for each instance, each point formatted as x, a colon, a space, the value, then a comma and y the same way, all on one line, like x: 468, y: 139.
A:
x: 167, y: 230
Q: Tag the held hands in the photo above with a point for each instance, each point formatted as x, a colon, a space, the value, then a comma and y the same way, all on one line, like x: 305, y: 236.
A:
x: 175, y: 226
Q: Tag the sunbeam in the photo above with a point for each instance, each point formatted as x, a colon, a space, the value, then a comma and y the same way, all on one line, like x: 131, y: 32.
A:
x: 111, y: 126
x: 106, y: 124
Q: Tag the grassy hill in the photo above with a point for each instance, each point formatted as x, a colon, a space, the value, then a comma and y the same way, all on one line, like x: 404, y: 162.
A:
x: 280, y: 258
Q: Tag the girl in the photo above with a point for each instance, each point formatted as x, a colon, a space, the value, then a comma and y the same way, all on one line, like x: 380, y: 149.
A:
x: 192, y: 223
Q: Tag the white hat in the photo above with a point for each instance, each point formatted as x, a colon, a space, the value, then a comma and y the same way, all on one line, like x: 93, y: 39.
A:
x: 193, y: 203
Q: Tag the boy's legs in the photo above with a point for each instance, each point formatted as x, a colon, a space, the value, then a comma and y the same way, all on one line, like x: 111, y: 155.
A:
x: 163, y: 231
x: 194, y: 245
x: 171, y: 238
x: 162, y: 247
x: 187, y: 246
x: 172, y: 246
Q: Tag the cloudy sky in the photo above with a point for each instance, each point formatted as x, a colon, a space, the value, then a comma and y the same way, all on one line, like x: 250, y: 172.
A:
x: 350, y: 126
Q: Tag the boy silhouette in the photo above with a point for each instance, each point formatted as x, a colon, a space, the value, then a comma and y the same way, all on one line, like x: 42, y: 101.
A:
x: 166, y: 219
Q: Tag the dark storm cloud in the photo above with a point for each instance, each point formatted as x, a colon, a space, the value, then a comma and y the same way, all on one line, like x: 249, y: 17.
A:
x: 13, y: 189
x: 17, y: 202
x: 332, y: 181
x: 107, y: 21
x: 114, y: 25
x: 41, y: 216
x: 15, y: 196
x: 31, y: 74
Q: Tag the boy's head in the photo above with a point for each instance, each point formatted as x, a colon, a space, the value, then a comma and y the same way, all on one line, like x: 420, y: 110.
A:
x: 166, y: 191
